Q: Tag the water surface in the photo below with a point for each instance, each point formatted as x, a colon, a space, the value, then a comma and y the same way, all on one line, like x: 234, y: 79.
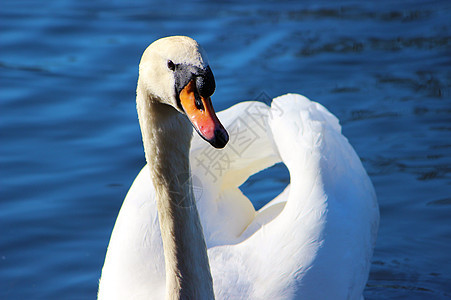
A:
x: 71, y: 145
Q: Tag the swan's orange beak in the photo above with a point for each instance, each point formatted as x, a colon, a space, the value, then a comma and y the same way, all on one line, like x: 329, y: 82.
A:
x: 202, y: 115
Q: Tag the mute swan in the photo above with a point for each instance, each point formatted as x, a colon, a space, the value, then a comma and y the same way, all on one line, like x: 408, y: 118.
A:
x: 313, y: 241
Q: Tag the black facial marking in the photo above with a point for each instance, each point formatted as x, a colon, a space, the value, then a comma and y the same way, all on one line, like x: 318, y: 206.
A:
x: 183, y: 75
x: 205, y: 81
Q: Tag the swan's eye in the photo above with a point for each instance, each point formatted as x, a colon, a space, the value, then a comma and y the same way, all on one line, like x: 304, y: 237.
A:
x: 171, y: 65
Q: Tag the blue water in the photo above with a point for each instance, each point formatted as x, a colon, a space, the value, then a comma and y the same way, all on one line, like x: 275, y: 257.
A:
x: 70, y: 144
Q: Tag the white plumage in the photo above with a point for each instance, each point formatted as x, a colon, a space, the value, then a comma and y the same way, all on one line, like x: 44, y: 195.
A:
x: 314, y: 241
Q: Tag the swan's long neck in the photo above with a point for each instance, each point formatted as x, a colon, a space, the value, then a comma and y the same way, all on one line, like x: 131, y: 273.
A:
x: 167, y: 138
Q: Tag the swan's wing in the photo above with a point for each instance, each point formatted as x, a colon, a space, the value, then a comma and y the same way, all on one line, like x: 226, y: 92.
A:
x: 320, y: 245
x: 225, y: 211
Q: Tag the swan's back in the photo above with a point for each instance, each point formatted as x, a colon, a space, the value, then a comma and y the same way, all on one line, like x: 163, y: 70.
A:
x: 314, y: 241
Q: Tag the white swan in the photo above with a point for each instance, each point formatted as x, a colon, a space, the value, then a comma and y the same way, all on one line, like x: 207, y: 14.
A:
x: 314, y: 241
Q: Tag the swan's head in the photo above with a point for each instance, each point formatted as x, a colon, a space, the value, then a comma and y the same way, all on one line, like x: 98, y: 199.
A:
x: 175, y: 71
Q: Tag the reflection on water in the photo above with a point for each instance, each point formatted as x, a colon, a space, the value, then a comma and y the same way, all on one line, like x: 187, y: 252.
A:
x: 71, y: 146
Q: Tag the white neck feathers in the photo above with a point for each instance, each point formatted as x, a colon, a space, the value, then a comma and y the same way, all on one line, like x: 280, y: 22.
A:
x: 167, y: 138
